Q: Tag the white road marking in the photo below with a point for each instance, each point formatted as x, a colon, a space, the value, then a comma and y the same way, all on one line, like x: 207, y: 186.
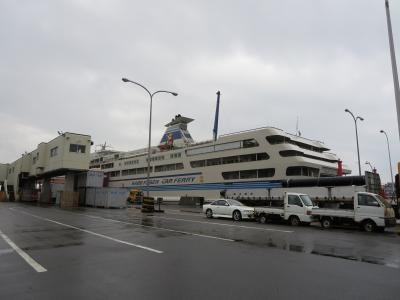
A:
x: 37, y: 267
x: 91, y: 232
x: 222, y: 224
x: 161, y: 228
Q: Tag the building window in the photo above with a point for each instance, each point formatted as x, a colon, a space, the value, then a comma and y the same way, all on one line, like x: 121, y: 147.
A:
x: 53, y: 151
x: 77, y: 148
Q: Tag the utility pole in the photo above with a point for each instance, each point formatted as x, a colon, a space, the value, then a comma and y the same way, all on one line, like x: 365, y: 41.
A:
x: 394, y: 65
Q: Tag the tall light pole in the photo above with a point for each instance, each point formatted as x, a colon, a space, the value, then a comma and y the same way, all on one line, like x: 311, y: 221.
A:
x: 151, y: 107
x: 355, y: 124
x: 390, y: 162
x: 394, y: 65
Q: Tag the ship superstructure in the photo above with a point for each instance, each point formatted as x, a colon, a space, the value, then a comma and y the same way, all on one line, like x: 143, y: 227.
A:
x: 253, y: 159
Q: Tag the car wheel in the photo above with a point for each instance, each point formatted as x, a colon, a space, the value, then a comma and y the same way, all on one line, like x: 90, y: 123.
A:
x: 209, y: 213
x: 237, y: 216
x: 326, y: 223
x: 294, y: 221
x: 263, y: 219
x: 369, y: 226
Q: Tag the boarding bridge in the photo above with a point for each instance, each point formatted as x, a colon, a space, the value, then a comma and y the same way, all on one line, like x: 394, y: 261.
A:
x: 29, y: 178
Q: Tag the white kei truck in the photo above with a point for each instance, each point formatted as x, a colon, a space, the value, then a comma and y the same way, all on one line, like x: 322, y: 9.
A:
x: 295, y: 208
x: 370, y: 211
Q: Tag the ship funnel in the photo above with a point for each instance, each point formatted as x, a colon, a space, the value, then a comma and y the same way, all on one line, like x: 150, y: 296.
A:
x: 176, y: 134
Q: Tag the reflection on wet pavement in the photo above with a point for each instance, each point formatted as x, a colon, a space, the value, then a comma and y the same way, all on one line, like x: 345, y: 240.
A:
x: 332, y: 251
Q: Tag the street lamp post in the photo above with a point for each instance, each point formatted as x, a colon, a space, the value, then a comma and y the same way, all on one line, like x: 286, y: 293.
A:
x: 151, y: 107
x: 390, y: 162
x: 355, y: 124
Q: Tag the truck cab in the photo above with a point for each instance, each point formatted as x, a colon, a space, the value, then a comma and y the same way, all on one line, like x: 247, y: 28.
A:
x: 296, y: 208
x: 373, y: 210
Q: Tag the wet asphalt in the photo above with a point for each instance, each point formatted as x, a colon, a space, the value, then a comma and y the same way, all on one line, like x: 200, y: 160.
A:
x: 94, y: 253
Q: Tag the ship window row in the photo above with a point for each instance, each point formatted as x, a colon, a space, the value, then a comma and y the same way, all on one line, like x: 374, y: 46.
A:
x: 229, y: 160
x: 156, y: 158
x: 223, y: 147
x: 249, y: 174
x: 302, y: 171
x: 131, y: 162
x: 97, y: 160
x: 280, y: 139
x: 291, y: 153
x: 169, y: 167
x: 136, y: 171
x: 113, y: 174
x: 107, y: 166
x: 175, y: 155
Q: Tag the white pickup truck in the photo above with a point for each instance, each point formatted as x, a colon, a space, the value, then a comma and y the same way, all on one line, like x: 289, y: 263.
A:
x: 295, y: 208
x: 370, y: 211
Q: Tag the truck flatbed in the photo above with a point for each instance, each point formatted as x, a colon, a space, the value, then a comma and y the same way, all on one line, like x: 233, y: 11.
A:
x: 343, y: 213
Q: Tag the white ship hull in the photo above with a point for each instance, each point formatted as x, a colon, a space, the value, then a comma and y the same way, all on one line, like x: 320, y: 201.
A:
x: 254, y: 160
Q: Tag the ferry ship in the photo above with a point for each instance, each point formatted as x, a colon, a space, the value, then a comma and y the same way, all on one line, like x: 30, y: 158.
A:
x: 255, y: 160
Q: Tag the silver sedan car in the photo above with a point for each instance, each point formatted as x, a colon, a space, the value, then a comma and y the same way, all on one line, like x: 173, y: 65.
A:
x: 228, y: 208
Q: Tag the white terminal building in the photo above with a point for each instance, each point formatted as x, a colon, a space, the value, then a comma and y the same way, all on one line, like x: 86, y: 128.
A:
x: 66, y: 155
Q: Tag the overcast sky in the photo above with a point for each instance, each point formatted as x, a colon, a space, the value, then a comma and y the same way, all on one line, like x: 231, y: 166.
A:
x: 274, y: 61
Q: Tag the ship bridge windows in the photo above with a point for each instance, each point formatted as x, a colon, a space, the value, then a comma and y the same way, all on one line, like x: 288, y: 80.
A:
x: 291, y: 153
x: 249, y: 174
x: 229, y: 160
x: 302, y: 171
x: 169, y: 167
x: 223, y: 147
x: 280, y: 139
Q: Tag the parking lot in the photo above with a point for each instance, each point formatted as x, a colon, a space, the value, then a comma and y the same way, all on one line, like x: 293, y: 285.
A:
x: 93, y: 253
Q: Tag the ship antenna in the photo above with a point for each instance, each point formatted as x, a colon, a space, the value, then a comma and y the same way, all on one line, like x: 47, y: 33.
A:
x: 215, y: 130
x: 394, y: 65
x: 298, y: 133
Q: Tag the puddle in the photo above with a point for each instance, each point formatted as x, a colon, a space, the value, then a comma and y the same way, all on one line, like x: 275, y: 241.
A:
x: 6, y: 251
x: 43, y: 247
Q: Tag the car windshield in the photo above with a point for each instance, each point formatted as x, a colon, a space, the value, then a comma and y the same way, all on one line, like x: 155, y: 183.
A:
x: 234, y: 202
x: 306, y: 200
x: 384, y: 201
